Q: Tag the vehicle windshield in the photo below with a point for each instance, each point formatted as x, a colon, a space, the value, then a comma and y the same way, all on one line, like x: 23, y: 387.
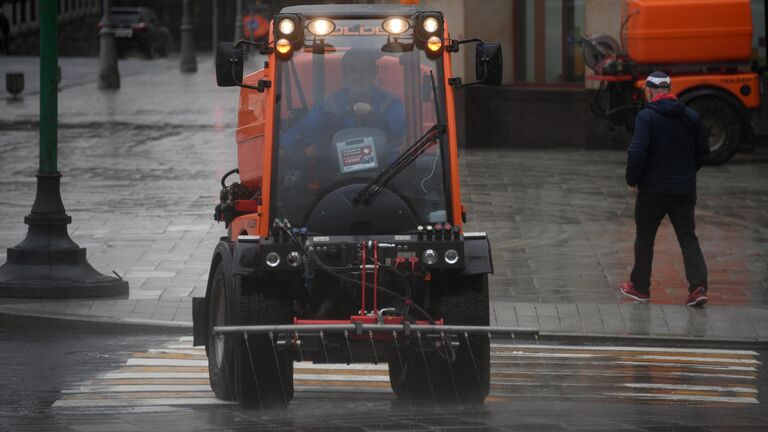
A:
x: 347, y: 107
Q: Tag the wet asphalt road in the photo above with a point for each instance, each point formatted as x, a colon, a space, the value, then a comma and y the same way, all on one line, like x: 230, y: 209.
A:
x: 43, y: 368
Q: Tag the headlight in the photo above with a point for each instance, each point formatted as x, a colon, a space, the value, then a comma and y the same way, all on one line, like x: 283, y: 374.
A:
x: 286, y: 26
x: 434, y: 43
x: 283, y: 46
x: 451, y: 256
x: 273, y: 259
x: 321, y: 27
x: 396, y: 25
x: 431, y: 25
x: 429, y: 257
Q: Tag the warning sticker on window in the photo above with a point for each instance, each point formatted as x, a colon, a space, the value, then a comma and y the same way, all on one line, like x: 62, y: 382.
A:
x: 356, y: 154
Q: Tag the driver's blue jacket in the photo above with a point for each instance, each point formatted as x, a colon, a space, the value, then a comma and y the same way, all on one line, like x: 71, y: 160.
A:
x: 336, y: 112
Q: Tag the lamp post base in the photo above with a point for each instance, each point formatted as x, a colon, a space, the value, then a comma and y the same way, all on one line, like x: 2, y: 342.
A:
x: 58, y: 281
x: 48, y: 264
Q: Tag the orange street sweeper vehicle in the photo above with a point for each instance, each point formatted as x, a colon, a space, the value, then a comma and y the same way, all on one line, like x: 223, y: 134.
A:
x: 346, y: 238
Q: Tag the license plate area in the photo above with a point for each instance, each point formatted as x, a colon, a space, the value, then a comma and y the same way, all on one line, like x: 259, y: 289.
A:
x: 124, y: 33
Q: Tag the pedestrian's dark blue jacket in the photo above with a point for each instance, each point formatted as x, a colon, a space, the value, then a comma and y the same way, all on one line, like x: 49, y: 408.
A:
x: 668, y: 148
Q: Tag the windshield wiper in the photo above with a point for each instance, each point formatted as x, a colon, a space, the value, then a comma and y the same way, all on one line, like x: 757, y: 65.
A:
x: 371, y: 190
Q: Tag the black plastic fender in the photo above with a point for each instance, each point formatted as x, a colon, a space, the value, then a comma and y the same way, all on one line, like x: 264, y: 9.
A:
x: 477, y: 256
x: 222, y: 254
x: 246, y: 258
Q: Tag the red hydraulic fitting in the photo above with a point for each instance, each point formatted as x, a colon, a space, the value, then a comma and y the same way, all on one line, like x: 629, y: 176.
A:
x: 413, y: 260
x: 399, y: 260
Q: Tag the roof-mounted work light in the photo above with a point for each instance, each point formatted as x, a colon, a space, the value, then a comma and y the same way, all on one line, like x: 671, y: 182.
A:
x: 286, y: 26
x: 321, y: 27
x: 428, y: 32
x: 396, y: 25
x: 289, y: 34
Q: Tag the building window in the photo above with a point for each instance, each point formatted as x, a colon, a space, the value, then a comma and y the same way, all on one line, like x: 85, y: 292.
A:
x: 546, y: 34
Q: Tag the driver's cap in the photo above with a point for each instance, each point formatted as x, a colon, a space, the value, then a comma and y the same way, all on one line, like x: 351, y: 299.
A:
x: 658, y: 79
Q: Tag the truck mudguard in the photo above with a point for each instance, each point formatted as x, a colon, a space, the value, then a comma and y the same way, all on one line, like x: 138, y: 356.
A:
x: 478, y: 258
x: 222, y: 254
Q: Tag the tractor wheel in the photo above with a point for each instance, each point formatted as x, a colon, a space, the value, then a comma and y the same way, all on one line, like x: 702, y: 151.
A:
x: 221, y: 349
x: 723, y: 127
x: 412, y: 380
x: 464, y: 301
x: 265, y: 375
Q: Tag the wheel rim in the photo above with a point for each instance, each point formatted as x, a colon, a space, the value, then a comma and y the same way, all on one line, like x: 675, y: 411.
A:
x: 718, y: 132
x: 218, y: 340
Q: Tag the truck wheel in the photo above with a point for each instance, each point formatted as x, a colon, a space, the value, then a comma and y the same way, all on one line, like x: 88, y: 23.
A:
x: 265, y: 375
x: 221, y: 349
x: 411, y: 382
x: 464, y: 301
x: 722, y: 125
x: 149, y: 50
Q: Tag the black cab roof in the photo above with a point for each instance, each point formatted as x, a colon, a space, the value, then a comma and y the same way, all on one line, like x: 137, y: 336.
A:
x: 355, y: 10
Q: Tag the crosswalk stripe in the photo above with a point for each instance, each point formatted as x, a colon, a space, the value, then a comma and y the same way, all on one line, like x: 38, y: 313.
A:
x: 626, y: 349
x: 177, y: 374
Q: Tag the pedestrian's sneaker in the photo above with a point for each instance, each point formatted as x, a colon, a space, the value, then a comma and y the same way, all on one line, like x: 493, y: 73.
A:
x: 697, y: 298
x: 628, y: 289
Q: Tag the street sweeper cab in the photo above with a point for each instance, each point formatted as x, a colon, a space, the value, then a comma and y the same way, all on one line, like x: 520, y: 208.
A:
x: 346, y: 239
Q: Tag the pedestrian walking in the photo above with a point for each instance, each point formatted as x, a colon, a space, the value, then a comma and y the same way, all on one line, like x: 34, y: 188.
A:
x: 668, y: 148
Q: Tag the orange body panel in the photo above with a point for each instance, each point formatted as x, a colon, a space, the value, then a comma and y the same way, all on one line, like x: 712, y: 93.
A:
x: 688, y: 31
x: 731, y: 83
x: 248, y: 224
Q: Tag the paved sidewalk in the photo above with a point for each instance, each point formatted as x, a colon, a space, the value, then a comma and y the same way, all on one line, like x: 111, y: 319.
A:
x: 141, y: 167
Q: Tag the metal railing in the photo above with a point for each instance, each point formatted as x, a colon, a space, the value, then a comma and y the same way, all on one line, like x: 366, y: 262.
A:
x: 23, y: 15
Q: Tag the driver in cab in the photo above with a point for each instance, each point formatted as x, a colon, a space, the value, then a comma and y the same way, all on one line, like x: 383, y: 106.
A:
x: 360, y: 104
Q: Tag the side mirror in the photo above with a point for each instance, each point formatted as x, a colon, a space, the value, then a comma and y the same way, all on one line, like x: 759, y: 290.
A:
x: 488, y: 64
x: 229, y: 65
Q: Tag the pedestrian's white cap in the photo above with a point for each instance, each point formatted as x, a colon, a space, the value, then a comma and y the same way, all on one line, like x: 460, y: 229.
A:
x: 658, y: 79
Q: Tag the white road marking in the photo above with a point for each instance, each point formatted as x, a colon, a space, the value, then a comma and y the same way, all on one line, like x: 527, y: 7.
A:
x: 347, y: 378
x: 692, y: 387
x: 151, y: 375
x: 624, y: 348
x: 165, y: 362
x: 687, y: 398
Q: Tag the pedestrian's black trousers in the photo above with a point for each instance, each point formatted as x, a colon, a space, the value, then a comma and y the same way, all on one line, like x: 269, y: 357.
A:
x: 650, y: 209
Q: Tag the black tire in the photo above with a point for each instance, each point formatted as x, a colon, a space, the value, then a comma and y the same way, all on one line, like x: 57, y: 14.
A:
x: 464, y: 301
x: 163, y: 51
x: 723, y: 126
x: 413, y: 381
x: 264, y: 375
x: 221, y: 350
x: 467, y: 379
x: 149, y: 49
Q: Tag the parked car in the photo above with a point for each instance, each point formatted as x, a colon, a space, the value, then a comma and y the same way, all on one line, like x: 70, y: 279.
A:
x: 139, y: 27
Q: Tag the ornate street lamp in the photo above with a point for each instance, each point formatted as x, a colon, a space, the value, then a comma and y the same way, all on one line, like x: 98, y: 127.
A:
x: 47, y: 263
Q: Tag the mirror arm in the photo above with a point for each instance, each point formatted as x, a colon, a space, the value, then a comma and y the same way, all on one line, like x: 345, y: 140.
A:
x: 262, y: 84
x: 456, y: 81
x: 265, y: 48
x: 453, y: 46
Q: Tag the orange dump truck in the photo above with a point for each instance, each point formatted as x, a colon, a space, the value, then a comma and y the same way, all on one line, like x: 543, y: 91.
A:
x: 346, y: 235
x: 705, y: 46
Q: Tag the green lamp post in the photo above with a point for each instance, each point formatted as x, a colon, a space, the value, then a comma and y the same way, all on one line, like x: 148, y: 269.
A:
x: 47, y: 263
